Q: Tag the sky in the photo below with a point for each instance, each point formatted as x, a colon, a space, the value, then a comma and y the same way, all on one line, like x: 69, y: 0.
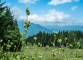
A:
x: 48, y: 12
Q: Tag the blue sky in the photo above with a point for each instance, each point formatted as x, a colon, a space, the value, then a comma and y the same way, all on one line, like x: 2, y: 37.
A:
x: 48, y: 12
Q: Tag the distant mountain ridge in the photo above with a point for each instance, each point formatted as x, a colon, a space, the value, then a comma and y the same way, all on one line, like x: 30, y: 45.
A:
x: 35, y: 28
x: 66, y: 28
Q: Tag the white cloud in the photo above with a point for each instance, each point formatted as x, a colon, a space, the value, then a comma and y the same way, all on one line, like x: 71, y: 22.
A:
x: 74, y: 8
x: 28, y: 1
x: 51, y: 16
x: 16, y: 12
x: 56, y: 2
x: 54, y: 17
x: 22, y: 17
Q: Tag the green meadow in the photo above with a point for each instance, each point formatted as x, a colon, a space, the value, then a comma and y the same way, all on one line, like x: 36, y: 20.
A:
x: 44, y: 53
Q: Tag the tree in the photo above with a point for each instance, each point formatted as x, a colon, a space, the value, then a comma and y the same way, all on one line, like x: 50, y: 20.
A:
x: 9, y: 31
x: 2, y: 15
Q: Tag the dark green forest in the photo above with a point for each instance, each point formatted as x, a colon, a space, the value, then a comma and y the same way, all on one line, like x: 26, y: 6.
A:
x: 72, y: 39
x: 9, y: 31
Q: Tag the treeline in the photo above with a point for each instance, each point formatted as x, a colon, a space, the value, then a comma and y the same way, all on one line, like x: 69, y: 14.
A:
x: 9, y: 31
x: 71, y: 39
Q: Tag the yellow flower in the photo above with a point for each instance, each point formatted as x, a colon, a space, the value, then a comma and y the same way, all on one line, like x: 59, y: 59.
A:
x: 35, y: 38
x: 65, y: 38
x: 47, y: 47
x: 8, y: 46
x: 70, y: 45
x: 1, y: 40
x: 55, y: 32
x: 18, y: 57
x: 78, y: 43
x: 59, y: 40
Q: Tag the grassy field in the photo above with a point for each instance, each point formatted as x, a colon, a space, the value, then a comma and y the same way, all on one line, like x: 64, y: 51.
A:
x: 44, y: 53
x: 50, y: 53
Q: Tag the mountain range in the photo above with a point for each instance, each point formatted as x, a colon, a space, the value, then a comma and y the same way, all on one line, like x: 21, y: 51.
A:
x: 35, y: 28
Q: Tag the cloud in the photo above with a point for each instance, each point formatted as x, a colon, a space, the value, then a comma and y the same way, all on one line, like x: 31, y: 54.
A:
x: 22, y: 18
x: 56, y: 2
x: 16, y: 12
x: 51, y: 16
x: 74, y: 8
x: 28, y: 1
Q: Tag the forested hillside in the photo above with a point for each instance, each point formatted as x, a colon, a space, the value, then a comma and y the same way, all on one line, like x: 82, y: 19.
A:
x: 67, y: 38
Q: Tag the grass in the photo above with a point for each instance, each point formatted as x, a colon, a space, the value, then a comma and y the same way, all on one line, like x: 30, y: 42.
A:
x: 34, y: 52
x: 60, y: 53
x: 51, y: 53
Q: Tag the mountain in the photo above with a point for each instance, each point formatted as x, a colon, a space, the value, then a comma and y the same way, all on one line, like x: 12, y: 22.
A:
x: 66, y: 28
x: 33, y: 29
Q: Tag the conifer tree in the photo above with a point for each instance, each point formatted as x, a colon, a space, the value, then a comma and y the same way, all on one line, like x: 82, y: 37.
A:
x: 2, y: 13
x: 9, y: 31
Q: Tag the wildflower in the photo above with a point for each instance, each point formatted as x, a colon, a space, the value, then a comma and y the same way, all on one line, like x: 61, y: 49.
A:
x: 18, y: 56
x: 53, y: 53
x: 27, y: 24
x: 55, y: 32
x: 78, y: 43
x: 59, y: 40
x: 78, y: 50
x: 11, y: 43
x: 54, y: 35
x: 1, y: 40
x: 35, y: 45
x: 39, y: 44
x: 35, y: 38
x: 47, y: 47
x: 8, y: 46
x: 27, y: 47
x: 70, y: 45
x: 40, y: 56
x: 65, y: 38
x: 53, y: 44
